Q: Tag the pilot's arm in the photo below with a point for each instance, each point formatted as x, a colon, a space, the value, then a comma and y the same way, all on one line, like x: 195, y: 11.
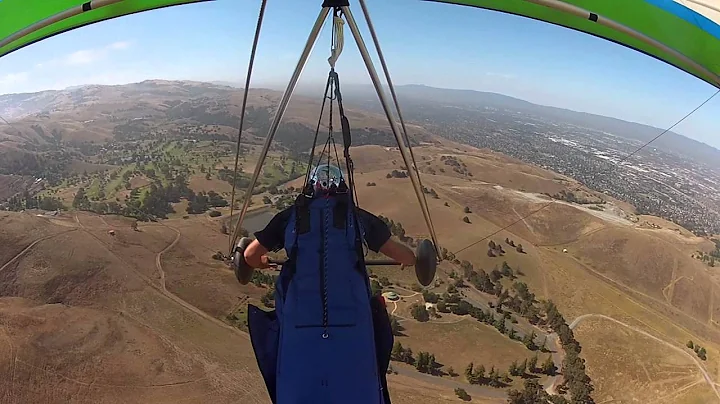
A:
x: 255, y: 255
x: 399, y: 252
x: 271, y: 238
x: 378, y: 238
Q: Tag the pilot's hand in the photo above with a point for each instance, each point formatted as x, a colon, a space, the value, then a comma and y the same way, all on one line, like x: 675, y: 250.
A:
x: 264, y: 262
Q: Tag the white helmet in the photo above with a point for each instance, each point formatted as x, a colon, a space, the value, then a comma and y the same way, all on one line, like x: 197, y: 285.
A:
x: 326, y: 175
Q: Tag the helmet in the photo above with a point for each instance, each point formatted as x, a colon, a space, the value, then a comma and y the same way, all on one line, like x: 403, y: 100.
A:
x: 325, y: 175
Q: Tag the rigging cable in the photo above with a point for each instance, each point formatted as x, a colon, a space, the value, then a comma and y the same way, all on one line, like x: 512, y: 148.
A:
x: 423, y: 203
x: 317, y: 132
x: 337, y: 42
x: 602, y: 173
x: 261, y: 15
x: 393, y: 125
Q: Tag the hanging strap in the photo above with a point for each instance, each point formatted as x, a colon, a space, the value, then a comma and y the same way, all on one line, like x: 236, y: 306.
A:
x: 338, y: 39
x: 360, y: 243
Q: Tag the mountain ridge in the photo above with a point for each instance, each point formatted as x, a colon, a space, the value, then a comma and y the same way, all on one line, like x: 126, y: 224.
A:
x: 20, y: 105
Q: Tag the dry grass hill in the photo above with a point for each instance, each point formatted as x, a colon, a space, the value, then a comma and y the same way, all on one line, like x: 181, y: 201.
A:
x: 644, y: 278
x: 147, y: 316
x: 99, y: 113
x: 110, y: 319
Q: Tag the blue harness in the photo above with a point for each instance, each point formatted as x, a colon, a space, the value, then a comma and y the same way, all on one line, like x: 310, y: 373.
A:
x: 328, y: 341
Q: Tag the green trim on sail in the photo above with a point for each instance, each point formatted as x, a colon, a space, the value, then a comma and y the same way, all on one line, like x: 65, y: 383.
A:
x: 665, y: 21
x: 16, y: 15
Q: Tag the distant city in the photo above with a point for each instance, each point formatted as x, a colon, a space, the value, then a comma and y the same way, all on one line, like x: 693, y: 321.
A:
x: 656, y: 182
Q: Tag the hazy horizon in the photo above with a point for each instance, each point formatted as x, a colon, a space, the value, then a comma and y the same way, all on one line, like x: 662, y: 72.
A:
x: 309, y: 88
x: 452, y: 47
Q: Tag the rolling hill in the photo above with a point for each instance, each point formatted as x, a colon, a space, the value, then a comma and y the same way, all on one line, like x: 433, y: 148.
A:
x: 55, y: 129
x: 91, y: 316
x: 102, y: 113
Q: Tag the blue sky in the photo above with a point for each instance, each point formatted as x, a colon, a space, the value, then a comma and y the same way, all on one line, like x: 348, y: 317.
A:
x: 424, y: 43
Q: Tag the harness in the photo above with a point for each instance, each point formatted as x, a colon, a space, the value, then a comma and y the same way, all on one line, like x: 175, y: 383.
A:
x: 324, y: 314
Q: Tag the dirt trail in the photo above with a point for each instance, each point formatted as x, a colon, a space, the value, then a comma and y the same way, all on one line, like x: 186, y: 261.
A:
x: 479, y: 391
x: 158, y: 257
x: 704, y: 372
x: 162, y: 290
x: 629, y: 292
x: 29, y: 247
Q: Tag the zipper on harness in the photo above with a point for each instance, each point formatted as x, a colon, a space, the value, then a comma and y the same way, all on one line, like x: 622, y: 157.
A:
x: 323, y: 268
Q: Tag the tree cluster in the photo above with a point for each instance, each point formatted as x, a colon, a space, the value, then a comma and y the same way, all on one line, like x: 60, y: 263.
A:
x: 712, y: 256
x: 530, y: 366
x: 522, y: 302
x: 396, y: 229
x: 575, y: 378
x: 569, y: 196
x: 19, y: 202
x: 155, y: 204
x: 479, y: 375
x: 395, y: 326
x: 420, y: 313
x: 268, y: 299
x: 401, y: 354
x: 284, y: 201
x: 495, y: 250
x: 452, y: 303
x: 533, y: 393
x: 462, y: 394
x: 430, y: 297
x: 397, y: 174
x: 447, y: 255
x: 227, y: 175
x: 262, y: 279
x: 430, y: 192
x: 457, y: 165
x: 424, y: 362
x: 201, y: 202
x: 699, y: 351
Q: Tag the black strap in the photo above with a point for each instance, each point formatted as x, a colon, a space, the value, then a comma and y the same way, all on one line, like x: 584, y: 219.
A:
x: 352, y: 195
x: 344, y: 123
x: 340, y: 213
x: 302, y: 225
x: 302, y: 215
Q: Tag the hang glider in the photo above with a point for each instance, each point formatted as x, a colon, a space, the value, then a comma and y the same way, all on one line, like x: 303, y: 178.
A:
x: 683, y: 33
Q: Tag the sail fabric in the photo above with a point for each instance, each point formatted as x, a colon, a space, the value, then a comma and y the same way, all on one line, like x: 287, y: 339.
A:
x: 19, y: 15
x: 689, y: 27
